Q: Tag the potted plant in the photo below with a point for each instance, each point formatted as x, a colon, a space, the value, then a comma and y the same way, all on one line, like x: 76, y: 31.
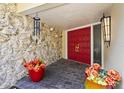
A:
x: 36, y: 69
x: 97, y: 78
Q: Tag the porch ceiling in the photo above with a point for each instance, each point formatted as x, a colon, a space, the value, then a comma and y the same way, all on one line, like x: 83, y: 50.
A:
x: 66, y: 16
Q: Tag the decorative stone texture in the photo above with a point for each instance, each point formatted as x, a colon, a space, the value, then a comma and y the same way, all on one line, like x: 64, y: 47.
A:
x: 17, y: 43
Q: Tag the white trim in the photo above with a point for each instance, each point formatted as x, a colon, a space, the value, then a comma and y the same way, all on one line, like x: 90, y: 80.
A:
x: 102, y: 47
x: 91, y: 44
x: 96, y: 23
x: 102, y: 44
x: 78, y: 28
x: 82, y: 26
x: 66, y: 45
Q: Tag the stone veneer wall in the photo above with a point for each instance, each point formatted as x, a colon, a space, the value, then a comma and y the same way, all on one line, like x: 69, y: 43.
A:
x: 17, y: 43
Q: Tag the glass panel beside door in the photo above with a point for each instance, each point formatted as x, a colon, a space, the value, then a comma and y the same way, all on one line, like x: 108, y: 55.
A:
x: 97, y: 44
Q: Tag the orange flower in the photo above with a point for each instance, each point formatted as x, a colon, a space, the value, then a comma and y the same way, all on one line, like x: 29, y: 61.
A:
x: 96, y: 66
x: 88, y: 71
x: 114, y: 74
x: 30, y: 67
x: 91, y: 70
x: 94, y: 73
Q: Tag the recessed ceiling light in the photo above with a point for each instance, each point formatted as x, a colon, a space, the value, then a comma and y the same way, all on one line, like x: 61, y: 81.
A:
x: 51, y: 29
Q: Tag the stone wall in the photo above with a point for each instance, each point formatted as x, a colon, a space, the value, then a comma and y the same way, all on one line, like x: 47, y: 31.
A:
x: 17, y: 43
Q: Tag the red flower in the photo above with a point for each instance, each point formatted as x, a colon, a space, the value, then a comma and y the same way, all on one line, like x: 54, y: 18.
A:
x: 43, y: 66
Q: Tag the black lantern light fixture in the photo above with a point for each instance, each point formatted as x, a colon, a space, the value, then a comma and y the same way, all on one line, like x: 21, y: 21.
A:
x: 37, y: 27
x: 106, y: 26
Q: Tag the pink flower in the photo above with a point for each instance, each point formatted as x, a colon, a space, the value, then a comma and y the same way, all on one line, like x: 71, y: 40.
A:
x: 114, y: 74
x: 110, y: 81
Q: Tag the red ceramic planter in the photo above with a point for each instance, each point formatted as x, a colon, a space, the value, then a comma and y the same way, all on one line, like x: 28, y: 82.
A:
x: 36, y: 75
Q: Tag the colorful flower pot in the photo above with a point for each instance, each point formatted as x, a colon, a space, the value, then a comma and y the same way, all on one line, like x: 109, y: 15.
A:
x: 36, y: 75
x: 92, y: 85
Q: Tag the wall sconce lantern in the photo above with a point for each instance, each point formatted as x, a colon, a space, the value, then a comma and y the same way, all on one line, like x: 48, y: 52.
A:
x: 37, y: 27
x: 106, y: 26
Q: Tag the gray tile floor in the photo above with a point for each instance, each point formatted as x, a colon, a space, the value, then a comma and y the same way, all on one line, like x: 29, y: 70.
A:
x: 63, y: 74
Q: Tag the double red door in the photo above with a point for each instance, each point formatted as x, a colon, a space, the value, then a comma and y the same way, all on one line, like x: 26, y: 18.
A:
x: 79, y: 45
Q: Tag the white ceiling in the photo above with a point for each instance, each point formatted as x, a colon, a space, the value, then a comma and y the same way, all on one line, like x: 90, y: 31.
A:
x: 73, y: 15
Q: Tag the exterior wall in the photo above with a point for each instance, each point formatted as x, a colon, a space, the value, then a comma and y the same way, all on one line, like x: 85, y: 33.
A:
x: 17, y: 43
x: 114, y: 55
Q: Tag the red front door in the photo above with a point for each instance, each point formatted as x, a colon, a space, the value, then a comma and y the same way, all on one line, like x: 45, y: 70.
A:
x: 79, y: 45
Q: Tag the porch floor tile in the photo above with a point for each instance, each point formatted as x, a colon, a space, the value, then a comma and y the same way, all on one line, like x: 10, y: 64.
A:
x: 63, y: 74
